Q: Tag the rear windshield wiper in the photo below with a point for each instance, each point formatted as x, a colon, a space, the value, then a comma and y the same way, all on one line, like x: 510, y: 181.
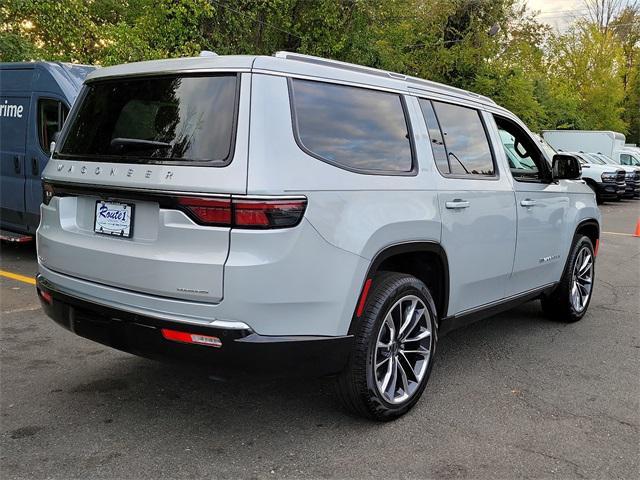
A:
x: 121, y: 144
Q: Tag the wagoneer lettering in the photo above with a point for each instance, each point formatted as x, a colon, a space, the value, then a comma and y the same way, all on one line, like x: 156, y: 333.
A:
x: 304, y: 226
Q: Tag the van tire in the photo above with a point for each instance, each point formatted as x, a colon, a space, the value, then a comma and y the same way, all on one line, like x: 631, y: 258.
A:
x: 558, y: 305
x: 357, y: 387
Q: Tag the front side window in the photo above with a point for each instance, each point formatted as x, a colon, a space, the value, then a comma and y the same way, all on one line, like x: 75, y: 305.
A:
x: 465, y: 139
x: 353, y: 128
x: 171, y: 118
x: 526, y: 161
x: 51, y: 115
x: 626, y: 159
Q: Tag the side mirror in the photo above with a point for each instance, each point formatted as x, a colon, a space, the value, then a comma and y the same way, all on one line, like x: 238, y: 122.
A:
x: 566, y: 167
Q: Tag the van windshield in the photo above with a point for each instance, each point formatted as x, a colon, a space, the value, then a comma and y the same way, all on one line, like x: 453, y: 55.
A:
x: 161, y: 119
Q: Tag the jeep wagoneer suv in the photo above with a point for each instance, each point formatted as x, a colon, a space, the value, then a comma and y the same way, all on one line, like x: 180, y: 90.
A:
x: 304, y: 216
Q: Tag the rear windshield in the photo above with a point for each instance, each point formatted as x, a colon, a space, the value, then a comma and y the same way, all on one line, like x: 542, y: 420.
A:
x: 162, y: 119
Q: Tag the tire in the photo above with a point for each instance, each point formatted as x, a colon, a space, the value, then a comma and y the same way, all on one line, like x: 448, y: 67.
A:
x: 561, y: 304
x: 360, y: 385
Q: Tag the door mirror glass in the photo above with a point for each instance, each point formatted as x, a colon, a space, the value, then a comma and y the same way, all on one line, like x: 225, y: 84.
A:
x: 566, y: 167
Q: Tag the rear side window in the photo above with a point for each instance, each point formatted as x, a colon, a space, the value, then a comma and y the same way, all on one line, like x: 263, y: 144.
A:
x: 465, y: 140
x: 181, y: 119
x: 51, y: 116
x: 353, y: 128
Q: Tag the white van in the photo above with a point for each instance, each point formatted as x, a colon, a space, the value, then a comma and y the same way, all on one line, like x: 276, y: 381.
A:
x: 611, y: 144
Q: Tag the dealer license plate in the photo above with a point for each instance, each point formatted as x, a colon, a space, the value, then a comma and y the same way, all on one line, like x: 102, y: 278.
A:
x: 114, y: 218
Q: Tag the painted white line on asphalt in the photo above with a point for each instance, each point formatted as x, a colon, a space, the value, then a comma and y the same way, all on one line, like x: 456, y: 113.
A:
x: 618, y: 233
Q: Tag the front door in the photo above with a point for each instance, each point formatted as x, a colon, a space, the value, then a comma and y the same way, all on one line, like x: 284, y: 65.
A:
x: 476, y: 203
x: 14, y: 119
x: 542, y: 211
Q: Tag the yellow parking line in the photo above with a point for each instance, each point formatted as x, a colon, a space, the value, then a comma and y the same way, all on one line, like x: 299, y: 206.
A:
x: 18, y: 277
x: 618, y: 233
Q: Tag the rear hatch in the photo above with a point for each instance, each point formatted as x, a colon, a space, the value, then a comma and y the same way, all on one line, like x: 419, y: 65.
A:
x: 142, y: 161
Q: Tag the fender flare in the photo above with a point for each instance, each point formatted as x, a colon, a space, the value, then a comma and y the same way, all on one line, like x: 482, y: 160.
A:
x: 402, y: 248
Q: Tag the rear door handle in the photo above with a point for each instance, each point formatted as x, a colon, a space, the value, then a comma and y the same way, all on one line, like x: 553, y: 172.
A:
x: 35, y: 170
x: 527, y: 202
x: 16, y: 164
x: 457, y: 203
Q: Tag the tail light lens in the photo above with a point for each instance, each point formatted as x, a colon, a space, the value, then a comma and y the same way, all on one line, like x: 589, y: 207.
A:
x: 208, y: 211
x: 268, y: 213
x: 244, y: 212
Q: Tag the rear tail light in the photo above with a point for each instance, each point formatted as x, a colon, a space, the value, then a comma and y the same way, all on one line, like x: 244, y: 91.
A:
x: 209, y: 211
x: 244, y: 212
x: 268, y: 213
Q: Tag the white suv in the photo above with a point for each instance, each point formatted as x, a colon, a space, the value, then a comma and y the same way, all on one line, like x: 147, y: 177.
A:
x: 302, y: 215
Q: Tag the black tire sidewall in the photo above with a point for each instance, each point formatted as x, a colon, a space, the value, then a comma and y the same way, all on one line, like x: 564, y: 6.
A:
x: 579, y: 244
x: 410, y: 286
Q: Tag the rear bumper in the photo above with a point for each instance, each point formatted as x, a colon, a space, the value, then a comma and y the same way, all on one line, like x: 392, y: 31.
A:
x: 242, y: 350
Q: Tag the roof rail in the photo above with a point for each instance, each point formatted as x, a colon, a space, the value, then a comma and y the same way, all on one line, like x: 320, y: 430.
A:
x: 418, y: 83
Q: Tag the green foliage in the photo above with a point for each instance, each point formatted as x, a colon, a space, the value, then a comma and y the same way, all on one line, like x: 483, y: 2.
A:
x: 586, y: 78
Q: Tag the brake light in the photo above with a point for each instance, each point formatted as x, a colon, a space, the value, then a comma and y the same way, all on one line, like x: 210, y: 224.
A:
x: 244, y: 212
x: 268, y: 213
x: 209, y: 211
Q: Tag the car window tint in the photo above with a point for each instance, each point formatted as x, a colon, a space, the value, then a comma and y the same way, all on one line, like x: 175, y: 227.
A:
x: 174, y: 118
x: 465, y: 139
x: 435, y: 135
x: 352, y: 127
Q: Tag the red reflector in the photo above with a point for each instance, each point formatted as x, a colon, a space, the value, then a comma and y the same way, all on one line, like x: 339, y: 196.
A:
x: 208, y: 210
x: 595, y: 250
x: 46, y: 296
x: 186, y: 337
x: 363, y: 297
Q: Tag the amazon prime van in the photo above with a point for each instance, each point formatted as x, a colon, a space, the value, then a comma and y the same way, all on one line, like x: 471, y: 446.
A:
x: 35, y: 98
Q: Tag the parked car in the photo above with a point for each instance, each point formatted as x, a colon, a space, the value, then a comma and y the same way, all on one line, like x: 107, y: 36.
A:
x: 607, y: 182
x: 304, y: 216
x: 632, y: 174
x: 35, y: 99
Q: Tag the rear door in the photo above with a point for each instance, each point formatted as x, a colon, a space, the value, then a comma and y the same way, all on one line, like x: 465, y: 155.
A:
x: 158, y: 152
x: 49, y: 113
x: 476, y: 204
x: 14, y: 119
x: 544, y: 221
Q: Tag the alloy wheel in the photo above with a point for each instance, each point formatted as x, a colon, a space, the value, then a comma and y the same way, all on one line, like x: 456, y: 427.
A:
x: 582, y: 279
x: 403, y: 349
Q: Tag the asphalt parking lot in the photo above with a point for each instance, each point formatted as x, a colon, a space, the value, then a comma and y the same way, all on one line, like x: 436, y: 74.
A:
x: 512, y: 396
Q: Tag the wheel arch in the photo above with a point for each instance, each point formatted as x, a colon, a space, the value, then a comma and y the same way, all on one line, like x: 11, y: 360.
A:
x: 426, y: 260
x: 590, y: 228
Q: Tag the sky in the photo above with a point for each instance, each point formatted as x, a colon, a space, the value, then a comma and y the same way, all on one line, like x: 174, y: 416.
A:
x: 558, y: 13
